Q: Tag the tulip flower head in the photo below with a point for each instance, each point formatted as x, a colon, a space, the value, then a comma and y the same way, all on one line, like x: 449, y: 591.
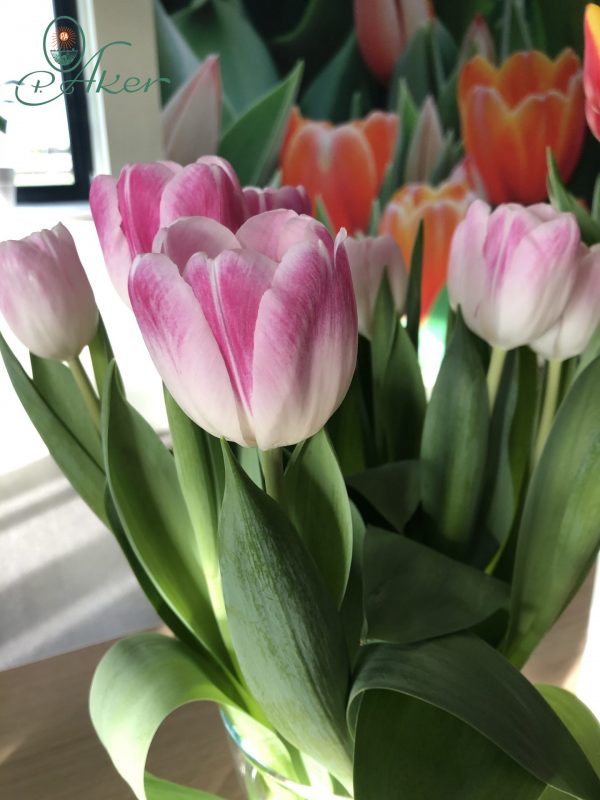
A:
x: 384, y: 28
x: 294, y: 198
x: 512, y: 270
x: 344, y: 165
x: 591, y: 67
x: 440, y: 209
x: 510, y: 115
x: 45, y: 295
x: 571, y: 334
x: 192, y: 118
x: 371, y: 258
x: 426, y: 145
x: 477, y: 41
x: 254, y: 333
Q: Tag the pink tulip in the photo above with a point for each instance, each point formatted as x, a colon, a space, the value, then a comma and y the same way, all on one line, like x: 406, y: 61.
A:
x: 477, y: 40
x: 426, y: 145
x: 571, y: 334
x: 383, y: 29
x: 292, y: 197
x: 512, y: 270
x: 45, y: 295
x: 254, y: 334
x: 371, y: 258
x: 192, y: 118
x: 129, y: 212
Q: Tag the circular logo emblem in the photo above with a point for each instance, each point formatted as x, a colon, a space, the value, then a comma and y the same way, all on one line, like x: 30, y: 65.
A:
x: 64, y: 43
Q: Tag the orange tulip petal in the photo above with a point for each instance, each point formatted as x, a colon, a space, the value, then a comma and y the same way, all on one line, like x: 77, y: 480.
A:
x: 381, y: 131
x: 476, y: 72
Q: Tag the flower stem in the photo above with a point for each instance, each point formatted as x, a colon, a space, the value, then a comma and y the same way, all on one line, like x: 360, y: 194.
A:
x: 272, y: 467
x: 549, y: 407
x: 495, y: 374
x: 87, y: 390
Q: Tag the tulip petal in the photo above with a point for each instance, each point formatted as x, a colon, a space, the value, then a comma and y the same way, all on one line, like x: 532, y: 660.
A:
x: 139, y: 190
x: 182, y: 346
x: 274, y: 232
x: 269, y: 199
x: 229, y: 290
x: 305, y: 325
x: 381, y: 131
x: 104, y: 206
x: 190, y: 235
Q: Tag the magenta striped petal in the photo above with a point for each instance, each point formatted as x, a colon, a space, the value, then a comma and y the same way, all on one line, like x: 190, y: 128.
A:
x: 292, y: 197
x: 139, y: 190
x: 190, y: 235
x: 182, y: 346
x: 104, y: 206
x: 229, y: 290
x: 207, y: 188
x: 305, y: 345
x: 274, y: 232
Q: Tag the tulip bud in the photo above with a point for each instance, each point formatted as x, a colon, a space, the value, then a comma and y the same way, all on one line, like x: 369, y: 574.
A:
x: 571, y: 334
x: 384, y: 28
x: 192, y: 118
x: 512, y: 270
x: 294, y: 198
x: 477, y: 41
x: 370, y: 258
x: 591, y: 67
x: 129, y: 212
x: 254, y: 334
x: 426, y: 145
x: 45, y: 295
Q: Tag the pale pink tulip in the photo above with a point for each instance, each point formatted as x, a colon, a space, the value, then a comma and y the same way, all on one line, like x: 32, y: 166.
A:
x: 129, y: 212
x: 571, y: 334
x: 426, y: 145
x: 478, y: 41
x: 292, y: 197
x: 192, y: 118
x: 512, y: 270
x: 45, y: 295
x: 254, y: 334
x: 370, y: 258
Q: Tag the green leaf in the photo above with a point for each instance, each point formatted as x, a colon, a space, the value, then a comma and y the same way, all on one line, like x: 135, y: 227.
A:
x: 351, y: 611
x: 466, y: 678
x: 408, y: 748
x: 101, y: 354
x: 563, y: 25
x: 176, y: 60
x: 347, y: 430
x: 453, y: 449
x: 559, y: 534
x: 137, y: 684
x: 408, y: 115
x: 413, y: 592
x: 220, y: 27
x: 253, y: 142
x: 317, y: 503
x: 413, y: 296
x: 583, y: 725
x: 78, y: 466
x: 143, y: 483
x: 564, y: 201
x: 157, y: 789
x: 457, y: 15
x: 287, y: 635
x: 393, y: 490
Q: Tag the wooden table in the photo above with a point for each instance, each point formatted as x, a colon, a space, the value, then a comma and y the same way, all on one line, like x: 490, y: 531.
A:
x: 49, y: 751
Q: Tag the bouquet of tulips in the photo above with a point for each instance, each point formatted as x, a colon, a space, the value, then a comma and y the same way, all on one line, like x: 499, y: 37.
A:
x: 355, y: 554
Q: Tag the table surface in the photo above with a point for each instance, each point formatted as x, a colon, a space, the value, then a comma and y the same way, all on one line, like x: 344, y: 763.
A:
x: 49, y: 751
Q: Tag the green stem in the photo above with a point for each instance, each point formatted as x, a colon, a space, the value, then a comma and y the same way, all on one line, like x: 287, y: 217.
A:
x: 522, y: 23
x: 495, y: 374
x: 550, y: 404
x: 272, y: 467
x: 87, y: 390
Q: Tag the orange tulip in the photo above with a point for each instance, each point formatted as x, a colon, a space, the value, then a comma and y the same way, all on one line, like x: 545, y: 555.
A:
x: 441, y: 208
x: 591, y: 67
x: 512, y: 113
x: 344, y: 164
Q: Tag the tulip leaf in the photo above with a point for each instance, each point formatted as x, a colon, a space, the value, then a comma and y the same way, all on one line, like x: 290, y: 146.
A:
x: 466, y: 678
x: 137, y: 684
x: 157, y: 789
x: 413, y: 295
x: 101, y: 354
x: 559, y: 534
x: 253, y: 142
x: 580, y: 721
x: 348, y: 428
x: 412, y: 592
x: 408, y: 115
x: 78, y: 466
x: 409, y: 748
x: 176, y: 59
x: 287, y: 635
x: 393, y: 490
x: 317, y: 503
x: 453, y: 449
x: 564, y: 201
x: 56, y: 385
x: 142, y: 478
x: 218, y: 26
x: 457, y: 15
